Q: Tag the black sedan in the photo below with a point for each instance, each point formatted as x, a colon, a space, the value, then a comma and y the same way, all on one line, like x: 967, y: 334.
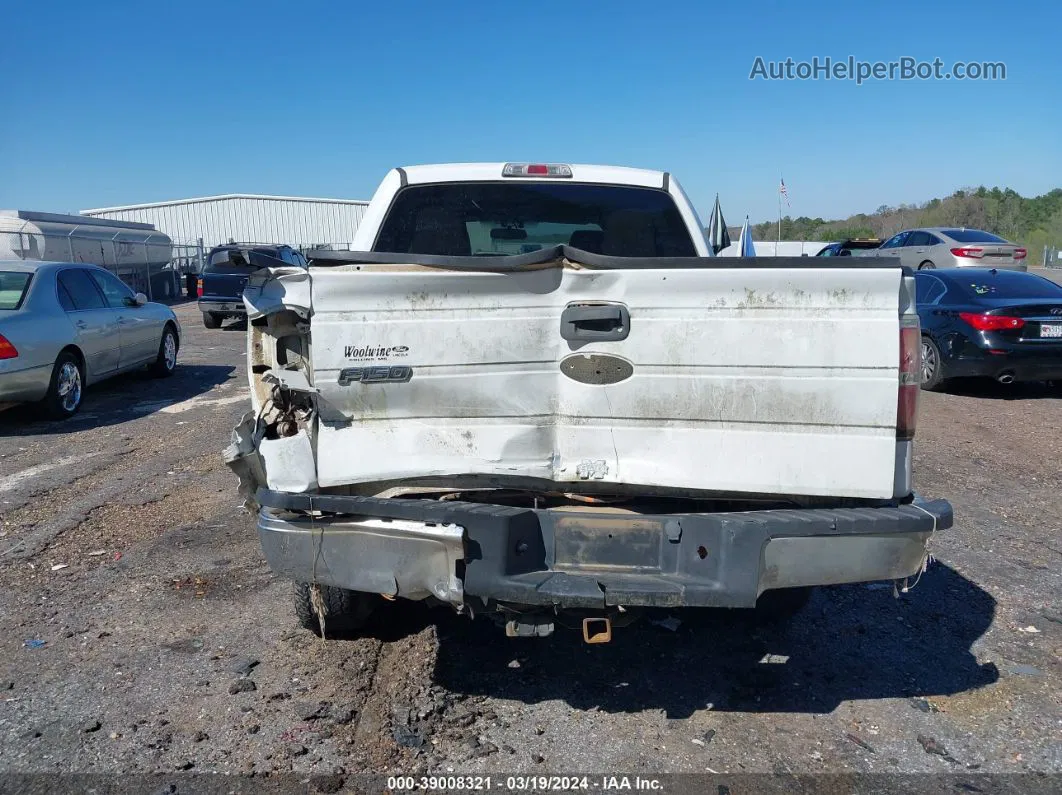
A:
x: 987, y: 323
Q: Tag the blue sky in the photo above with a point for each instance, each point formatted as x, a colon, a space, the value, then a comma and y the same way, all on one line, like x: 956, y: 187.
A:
x: 114, y: 103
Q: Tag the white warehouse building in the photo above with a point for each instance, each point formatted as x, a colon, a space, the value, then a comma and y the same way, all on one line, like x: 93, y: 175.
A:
x: 247, y: 218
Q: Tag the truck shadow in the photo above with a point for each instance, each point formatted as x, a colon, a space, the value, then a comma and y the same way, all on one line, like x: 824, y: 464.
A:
x: 120, y: 399
x: 851, y: 642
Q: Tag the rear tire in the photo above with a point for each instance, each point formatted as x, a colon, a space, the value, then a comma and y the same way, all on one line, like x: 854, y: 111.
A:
x: 66, y: 389
x: 927, y: 266
x: 211, y: 320
x: 166, y: 361
x: 781, y: 604
x: 932, y: 365
x: 345, y: 612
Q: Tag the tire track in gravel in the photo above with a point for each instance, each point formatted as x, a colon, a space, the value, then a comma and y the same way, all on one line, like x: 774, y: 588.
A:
x: 22, y: 486
x: 387, y: 730
x: 44, y: 516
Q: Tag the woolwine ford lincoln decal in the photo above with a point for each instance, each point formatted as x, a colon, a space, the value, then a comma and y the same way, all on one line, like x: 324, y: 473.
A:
x: 378, y: 373
x: 367, y: 353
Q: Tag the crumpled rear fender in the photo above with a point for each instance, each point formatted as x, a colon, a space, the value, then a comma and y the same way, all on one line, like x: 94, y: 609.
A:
x: 241, y: 456
x: 272, y: 290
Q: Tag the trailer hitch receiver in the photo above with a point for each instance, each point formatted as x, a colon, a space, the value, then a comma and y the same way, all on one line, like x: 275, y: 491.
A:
x: 597, y: 630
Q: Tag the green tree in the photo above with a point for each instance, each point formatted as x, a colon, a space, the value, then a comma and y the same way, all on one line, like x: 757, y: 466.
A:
x: 1033, y: 222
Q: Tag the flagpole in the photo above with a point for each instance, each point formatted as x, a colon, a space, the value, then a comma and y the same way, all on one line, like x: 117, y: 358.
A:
x: 778, y: 245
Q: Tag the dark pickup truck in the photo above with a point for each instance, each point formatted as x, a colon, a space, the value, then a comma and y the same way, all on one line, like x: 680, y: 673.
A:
x: 220, y: 286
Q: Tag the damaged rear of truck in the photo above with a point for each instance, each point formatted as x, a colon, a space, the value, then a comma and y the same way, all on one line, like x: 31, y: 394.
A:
x: 553, y: 433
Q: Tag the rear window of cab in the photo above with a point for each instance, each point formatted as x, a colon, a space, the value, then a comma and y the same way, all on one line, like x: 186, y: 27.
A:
x: 505, y: 218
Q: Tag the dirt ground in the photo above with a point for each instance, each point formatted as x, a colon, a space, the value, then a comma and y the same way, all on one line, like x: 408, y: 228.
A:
x: 142, y: 631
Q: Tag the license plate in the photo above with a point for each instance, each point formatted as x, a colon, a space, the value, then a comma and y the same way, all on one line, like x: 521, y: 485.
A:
x: 1051, y: 330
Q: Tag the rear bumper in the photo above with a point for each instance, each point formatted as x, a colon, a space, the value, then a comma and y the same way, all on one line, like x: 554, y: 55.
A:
x: 1044, y: 364
x: 26, y: 385
x: 461, y: 552
x: 227, y: 306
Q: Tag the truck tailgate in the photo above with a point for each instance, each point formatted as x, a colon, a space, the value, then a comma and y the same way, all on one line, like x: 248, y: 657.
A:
x: 227, y: 286
x: 761, y: 380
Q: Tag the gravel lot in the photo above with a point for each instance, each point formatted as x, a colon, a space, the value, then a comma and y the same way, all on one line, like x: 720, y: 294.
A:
x: 141, y: 630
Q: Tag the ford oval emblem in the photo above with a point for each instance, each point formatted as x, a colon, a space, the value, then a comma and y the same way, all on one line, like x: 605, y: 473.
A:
x: 597, y: 369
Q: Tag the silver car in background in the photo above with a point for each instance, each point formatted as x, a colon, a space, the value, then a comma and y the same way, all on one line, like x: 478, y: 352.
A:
x: 951, y: 247
x: 64, y: 326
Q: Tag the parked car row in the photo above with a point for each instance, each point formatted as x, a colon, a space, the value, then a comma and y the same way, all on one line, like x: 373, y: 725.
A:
x: 981, y: 313
x: 937, y: 247
x: 64, y: 326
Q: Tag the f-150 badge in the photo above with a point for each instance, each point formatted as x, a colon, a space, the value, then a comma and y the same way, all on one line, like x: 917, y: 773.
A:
x: 381, y: 374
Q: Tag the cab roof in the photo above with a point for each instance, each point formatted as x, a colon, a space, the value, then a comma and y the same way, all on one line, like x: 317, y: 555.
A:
x: 490, y: 172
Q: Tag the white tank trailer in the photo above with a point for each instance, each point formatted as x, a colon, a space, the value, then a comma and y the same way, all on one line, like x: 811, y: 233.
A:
x: 138, y: 254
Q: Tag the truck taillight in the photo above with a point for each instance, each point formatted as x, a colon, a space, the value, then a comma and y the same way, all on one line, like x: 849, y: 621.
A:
x: 910, y: 377
x: 7, y: 350
x: 199, y: 288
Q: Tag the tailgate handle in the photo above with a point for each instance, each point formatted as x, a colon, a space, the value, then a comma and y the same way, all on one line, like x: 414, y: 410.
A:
x: 595, y: 322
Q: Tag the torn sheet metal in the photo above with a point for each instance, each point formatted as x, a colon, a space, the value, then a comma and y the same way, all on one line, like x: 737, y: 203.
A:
x: 292, y: 380
x: 272, y: 290
x: 410, y: 559
x: 289, y: 463
x: 241, y: 456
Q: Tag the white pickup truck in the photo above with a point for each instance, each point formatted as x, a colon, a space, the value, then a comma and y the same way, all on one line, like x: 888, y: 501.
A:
x: 529, y: 390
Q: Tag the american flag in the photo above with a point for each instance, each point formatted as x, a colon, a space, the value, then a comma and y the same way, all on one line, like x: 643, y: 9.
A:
x: 782, y: 190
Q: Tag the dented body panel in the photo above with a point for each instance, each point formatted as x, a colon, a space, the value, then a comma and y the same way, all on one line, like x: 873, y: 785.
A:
x: 741, y: 380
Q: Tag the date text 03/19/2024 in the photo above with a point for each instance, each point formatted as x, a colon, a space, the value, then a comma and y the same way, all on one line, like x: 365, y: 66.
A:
x: 517, y: 783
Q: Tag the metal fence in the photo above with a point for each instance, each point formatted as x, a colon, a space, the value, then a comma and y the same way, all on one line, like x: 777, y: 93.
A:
x: 188, y: 257
x: 150, y: 266
x: 1052, y: 257
x: 158, y: 282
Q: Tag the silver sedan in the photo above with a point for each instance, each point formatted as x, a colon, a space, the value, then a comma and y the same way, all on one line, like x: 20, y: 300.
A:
x: 64, y: 326
x: 950, y: 247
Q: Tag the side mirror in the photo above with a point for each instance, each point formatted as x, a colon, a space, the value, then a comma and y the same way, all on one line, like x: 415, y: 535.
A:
x: 139, y: 299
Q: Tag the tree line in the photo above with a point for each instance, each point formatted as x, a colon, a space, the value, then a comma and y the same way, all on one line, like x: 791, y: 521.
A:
x: 1032, y: 222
